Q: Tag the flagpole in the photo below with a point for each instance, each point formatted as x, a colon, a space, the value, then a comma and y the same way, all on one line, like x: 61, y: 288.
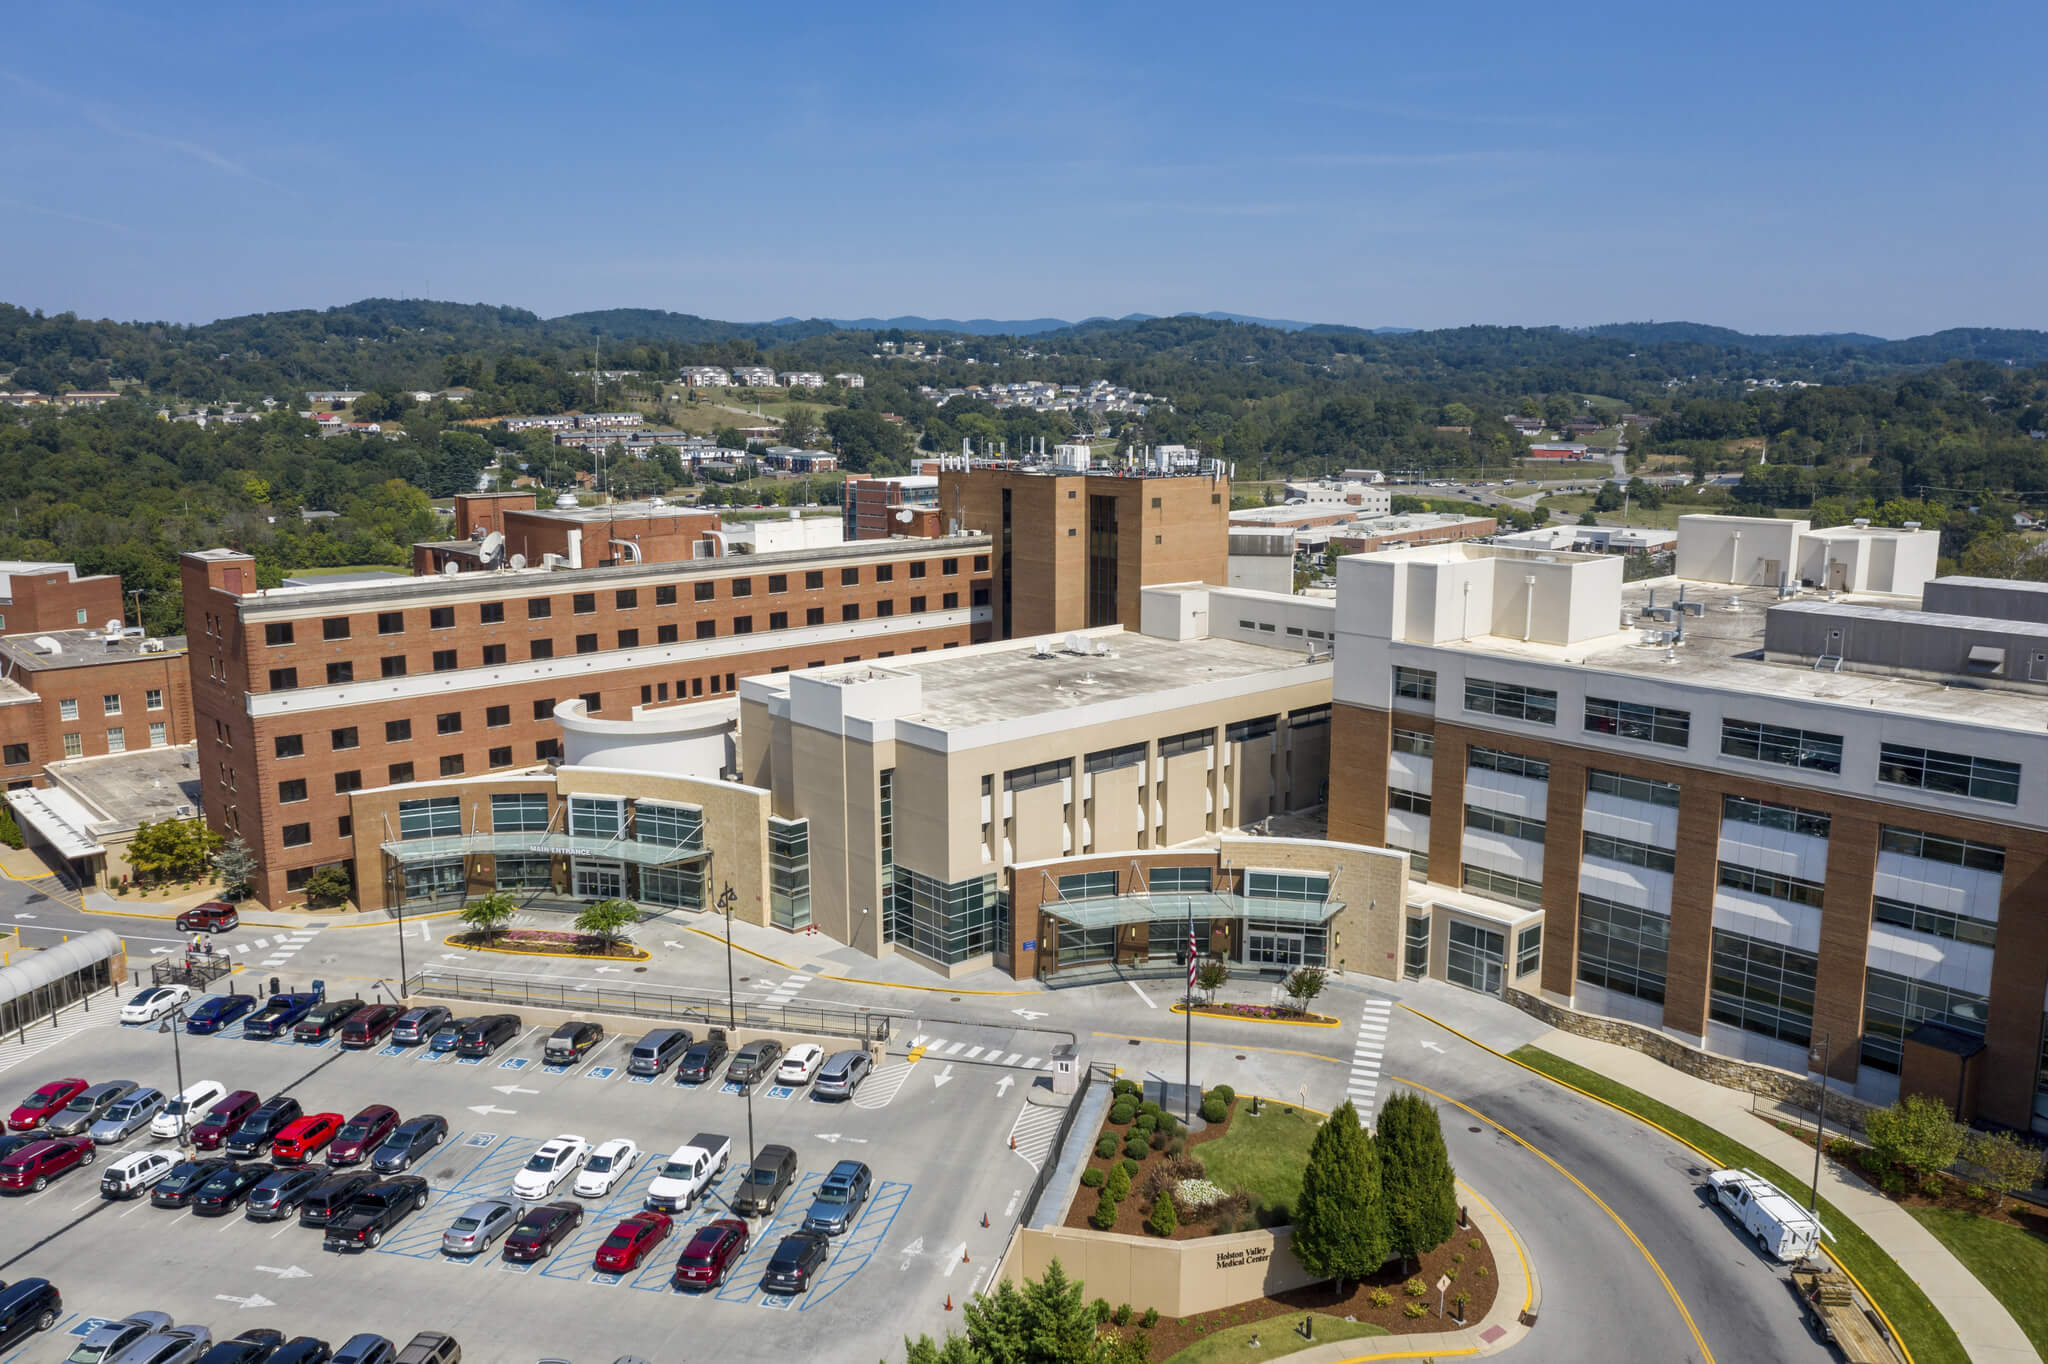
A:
x: 1187, y: 1093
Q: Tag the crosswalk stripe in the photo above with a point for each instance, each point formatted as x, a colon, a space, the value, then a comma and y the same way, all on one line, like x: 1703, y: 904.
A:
x: 1011, y: 1059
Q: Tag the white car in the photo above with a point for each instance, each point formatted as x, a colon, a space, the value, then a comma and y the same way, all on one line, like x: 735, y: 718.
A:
x: 546, y: 1168
x: 149, y: 1005
x: 187, y: 1108
x: 799, y: 1064
x: 607, y: 1165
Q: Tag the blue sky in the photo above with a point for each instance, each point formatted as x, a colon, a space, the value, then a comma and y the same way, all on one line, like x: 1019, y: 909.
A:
x: 1799, y: 167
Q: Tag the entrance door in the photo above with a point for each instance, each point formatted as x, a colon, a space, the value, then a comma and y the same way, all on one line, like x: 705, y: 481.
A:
x: 1270, y: 947
x: 1477, y: 957
x: 599, y: 880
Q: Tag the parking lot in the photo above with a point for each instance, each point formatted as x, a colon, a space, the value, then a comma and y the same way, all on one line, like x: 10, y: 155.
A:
x: 936, y: 1135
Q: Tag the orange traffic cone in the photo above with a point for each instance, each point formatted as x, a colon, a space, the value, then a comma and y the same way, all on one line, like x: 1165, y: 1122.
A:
x: 963, y: 1253
x: 984, y: 1219
x: 949, y: 1302
x: 1013, y: 1143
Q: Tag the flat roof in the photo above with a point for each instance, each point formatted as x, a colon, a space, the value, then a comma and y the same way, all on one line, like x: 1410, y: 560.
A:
x: 128, y: 788
x: 84, y: 649
x: 1399, y: 521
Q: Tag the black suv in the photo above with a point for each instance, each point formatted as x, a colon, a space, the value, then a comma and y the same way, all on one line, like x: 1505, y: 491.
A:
x: 765, y: 1181
x: 702, y: 1061
x: 755, y: 1061
x: 324, y: 1202
x: 487, y: 1034
x: 27, y: 1306
x: 570, y: 1041
x: 261, y: 1127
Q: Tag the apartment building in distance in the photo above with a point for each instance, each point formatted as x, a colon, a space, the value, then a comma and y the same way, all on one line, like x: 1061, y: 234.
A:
x: 870, y: 505
x: 38, y: 595
x: 1790, y: 807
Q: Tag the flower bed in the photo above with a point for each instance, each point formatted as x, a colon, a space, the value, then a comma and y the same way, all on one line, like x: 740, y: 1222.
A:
x: 545, y: 942
x: 1262, y: 1013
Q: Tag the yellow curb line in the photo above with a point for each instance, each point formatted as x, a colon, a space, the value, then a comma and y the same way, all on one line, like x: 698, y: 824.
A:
x: 564, y: 956
x: 1276, y: 1022
x: 1227, y: 1046
x: 1868, y: 1296
x: 1528, y: 1275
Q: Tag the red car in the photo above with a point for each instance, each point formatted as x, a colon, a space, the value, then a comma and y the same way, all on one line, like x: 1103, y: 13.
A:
x: 39, y: 1162
x: 303, y: 1138
x: 215, y: 916
x: 369, y: 1025
x: 632, y: 1239
x: 39, y: 1107
x: 362, y: 1134
x: 711, y: 1252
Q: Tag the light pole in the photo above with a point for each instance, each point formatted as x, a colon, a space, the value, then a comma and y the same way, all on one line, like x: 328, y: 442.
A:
x: 732, y: 1013
x: 399, y: 911
x: 173, y: 1023
x: 1820, y: 1122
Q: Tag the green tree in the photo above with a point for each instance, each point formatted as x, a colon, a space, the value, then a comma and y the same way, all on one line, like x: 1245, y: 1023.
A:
x: 1211, y: 975
x: 490, y: 913
x: 1558, y: 411
x: 2009, y: 1162
x: 1587, y: 518
x: 1340, y: 1221
x: 1917, y: 1132
x: 172, y: 849
x: 1415, y: 1173
x: 608, y: 920
x: 1303, y: 984
x: 1163, y: 1220
x: 2005, y: 555
x: 329, y: 885
x: 10, y: 832
x: 729, y: 437
x: 235, y: 865
x: 1457, y: 414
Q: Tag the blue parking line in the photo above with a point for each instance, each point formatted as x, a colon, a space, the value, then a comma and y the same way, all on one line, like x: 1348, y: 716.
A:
x: 30, y: 1341
x: 744, y: 1282
x: 656, y: 1275
x: 576, y: 1259
x: 858, y: 1245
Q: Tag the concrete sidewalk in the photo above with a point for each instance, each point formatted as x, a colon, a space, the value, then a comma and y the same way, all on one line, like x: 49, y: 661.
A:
x: 1987, y: 1331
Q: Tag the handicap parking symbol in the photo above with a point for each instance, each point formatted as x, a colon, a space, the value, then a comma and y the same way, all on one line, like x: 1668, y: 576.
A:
x: 515, y: 1063
x: 732, y: 1087
x: 469, y: 1060
x: 778, y: 1301
x: 600, y: 1072
x: 88, y: 1326
x: 781, y: 1092
x: 639, y: 1079
x: 605, y: 1278
x: 393, y: 1050
x: 553, y: 1069
x: 482, y: 1139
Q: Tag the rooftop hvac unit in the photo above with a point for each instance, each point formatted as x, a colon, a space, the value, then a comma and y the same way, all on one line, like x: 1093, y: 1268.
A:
x: 552, y: 561
x: 186, y: 811
x: 1076, y: 643
x: 1043, y: 649
x: 152, y: 646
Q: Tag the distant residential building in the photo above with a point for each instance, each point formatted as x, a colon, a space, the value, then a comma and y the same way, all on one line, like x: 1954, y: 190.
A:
x: 851, y: 380
x: 549, y: 423
x: 334, y: 397
x: 589, y: 420
x: 706, y: 376
x: 802, y: 378
x: 753, y: 376
x: 457, y: 394
x: 88, y: 397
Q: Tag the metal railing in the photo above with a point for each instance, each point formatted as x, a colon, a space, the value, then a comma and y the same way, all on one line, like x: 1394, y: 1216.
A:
x: 710, y: 1010
x: 1051, y: 1162
x: 197, y: 969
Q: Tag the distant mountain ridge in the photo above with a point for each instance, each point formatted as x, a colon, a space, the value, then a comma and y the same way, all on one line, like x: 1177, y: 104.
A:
x: 1035, y: 326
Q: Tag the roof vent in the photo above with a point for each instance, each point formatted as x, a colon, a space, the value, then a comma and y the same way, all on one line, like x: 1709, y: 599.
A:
x: 1860, y: 521
x: 1909, y: 525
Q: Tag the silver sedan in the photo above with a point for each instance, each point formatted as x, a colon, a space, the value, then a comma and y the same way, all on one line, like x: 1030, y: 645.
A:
x: 128, y: 1116
x: 480, y: 1225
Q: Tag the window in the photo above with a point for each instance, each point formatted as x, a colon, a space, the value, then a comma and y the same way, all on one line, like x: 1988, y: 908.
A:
x: 451, y: 765
x: 339, y: 739
x: 1180, y: 881
x: 1420, y: 743
x: 1511, y: 764
x: 1628, y: 720
x: 67, y: 709
x: 814, y: 615
x: 778, y: 620
x: 1414, y: 802
x: 1308, y: 717
x: 705, y: 591
x: 981, y: 563
x: 1528, y: 949
x: 547, y: 750
x: 671, y: 826
x: 16, y: 754
x: 1415, y: 954
x: 885, y: 608
x: 629, y: 639
x: 432, y: 817
x: 1622, y: 948
x: 543, y: 709
x: 1770, y: 815
x: 393, y: 666
x: 74, y: 746
x: 1894, y: 1005
x: 917, y: 603
x: 515, y: 872
x: 1038, y: 774
x: 1629, y: 852
x: 399, y: 774
x: 501, y: 757
x: 441, y: 618
x: 583, y: 603
x: 290, y: 791
x: 665, y: 594
x: 297, y: 835
x: 334, y: 627
x: 980, y: 596
x: 1511, y: 701
x: 519, y: 812
x: 917, y: 569
x: 1763, y: 987
x: 1958, y: 852
x: 1778, y: 744
x: 1648, y: 790
x: 1953, y: 774
x: 289, y: 745
x: 1245, y: 731
x: 158, y: 734
x: 778, y: 582
x: 110, y: 702
x: 743, y: 587
x: 339, y: 673
x: 391, y: 622
x: 539, y: 608
x: 1193, y: 741
x: 593, y: 702
x: 743, y: 625
x: 813, y: 580
x: 1506, y: 825
x: 1475, y: 957
x: 1088, y: 885
x: 946, y: 922
x: 1311, y: 888
x: 117, y: 739
x: 448, y: 722
x: 665, y: 634
x: 494, y: 654
x: 153, y: 699
x: 1789, y: 888
x: 281, y: 679
x: 596, y: 816
x: 1498, y: 885
x: 540, y: 648
x: 949, y: 566
x: 885, y: 573
x: 706, y: 629
x: 1110, y: 759
x: 444, y: 660
x: 626, y: 598
x: 849, y: 577
x: 496, y: 717
x: 345, y: 782
x: 1937, y: 923
x: 586, y: 644
x: 491, y: 613
x: 1415, y: 684
x: 277, y: 633
x: 850, y: 611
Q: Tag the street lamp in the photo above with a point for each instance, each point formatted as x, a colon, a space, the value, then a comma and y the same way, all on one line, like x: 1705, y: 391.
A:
x: 732, y: 1014
x: 174, y: 1023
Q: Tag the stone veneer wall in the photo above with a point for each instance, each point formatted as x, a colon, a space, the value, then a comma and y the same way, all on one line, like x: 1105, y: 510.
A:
x: 1725, y: 1071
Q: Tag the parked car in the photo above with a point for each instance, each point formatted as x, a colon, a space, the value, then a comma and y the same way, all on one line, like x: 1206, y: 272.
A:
x: 175, y: 1189
x: 547, y: 1168
x: 88, y: 1107
x: 109, y: 1338
x: 365, y: 1349
x: 840, y: 1198
x: 607, y: 1165
x: 215, y: 916
x: 185, y: 1110
x: 256, y: 1346
x: 226, y: 1190
x: 324, y: 1020
x: 418, y: 1025
x: 147, y: 1006
x: 46, y: 1103
x: 225, y: 1118
x: 541, y: 1230
x: 134, y: 1173
x: 487, y: 1034
x: 755, y: 1061
x: 375, y: 1211
x: 409, y: 1141
x: 362, y: 1134
x: 841, y: 1075
x: 448, y: 1037
x: 764, y: 1182
x: 216, y: 1012
x: 262, y: 1125
x: 31, y: 1169
x: 702, y: 1060
x: 26, y: 1307
x: 302, y: 1350
x: 796, y: 1261
x: 430, y: 1347
x: 571, y: 1042
x: 713, y: 1250
x: 175, y: 1345
x: 280, y: 1015
x: 305, y: 1137
x: 369, y: 1025
x: 279, y: 1193
x: 657, y: 1051
x: 479, y: 1226
x: 630, y: 1240
x: 324, y: 1201
x: 128, y: 1116
x: 14, y: 1141
x: 800, y: 1064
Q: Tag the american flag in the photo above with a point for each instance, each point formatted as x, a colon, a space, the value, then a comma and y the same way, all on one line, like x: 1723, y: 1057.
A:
x: 1192, y: 950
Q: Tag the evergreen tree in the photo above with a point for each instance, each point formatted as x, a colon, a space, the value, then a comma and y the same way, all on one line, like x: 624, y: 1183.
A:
x: 235, y: 865
x: 1416, y: 1176
x: 1340, y: 1224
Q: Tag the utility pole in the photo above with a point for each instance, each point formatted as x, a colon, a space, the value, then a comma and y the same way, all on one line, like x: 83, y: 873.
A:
x: 1820, y: 1123
x: 732, y: 1016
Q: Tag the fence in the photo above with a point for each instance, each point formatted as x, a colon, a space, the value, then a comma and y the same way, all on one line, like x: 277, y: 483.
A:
x: 515, y: 991
x: 1051, y: 1162
x: 196, y: 969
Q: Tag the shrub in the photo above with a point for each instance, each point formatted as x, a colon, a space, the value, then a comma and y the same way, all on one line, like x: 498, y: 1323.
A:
x: 1151, y: 1108
x: 1126, y: 1087
x: 1121, y: 1113
x: 1475, y: 1243
x: 1415, y: 1288
x: 1917, y: 1132
x: 1223, y: 1092
x: 1150, y: 1319
x: 1177, y: 1145
x: 1382, y: 1298
x: 1893, y: 1184
x: 1157, y: 1141
x: 1122, y: 1315
x: 10, y: 832
x: 1933, y: 1186
x: 1105, y: 1212
x: 1841, y: 1148
x: 1870, y: 1160
x: 1168, y: 1123
x: 1146, y: 1121
x: 1105, y: 1146
x: 1118, y: 1186
x: 1457, y: 1257
x: 328, y: 886
x: 1130, y: 1165
x: 1483, y: 1272
x: 1451, y: 1273
x: 1164, y: 1221
x: 1135, y: 1148
x: 1093, y: 1179
x: 1213, y: 1110
x: 1414, y: 1311
x: 1978, y: 1192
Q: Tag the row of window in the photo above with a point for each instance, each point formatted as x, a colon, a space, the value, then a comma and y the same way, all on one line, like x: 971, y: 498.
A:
x: 652, y: 821
x: 400, y: 731
x: 1629, y: 852
x: 1792, y: 889
x: 1508, y: 826
x: 1767, y: 814
x: 1511, y: 764
x: 74, y: 744
x: 1648, y: 790
x: 110, y: 703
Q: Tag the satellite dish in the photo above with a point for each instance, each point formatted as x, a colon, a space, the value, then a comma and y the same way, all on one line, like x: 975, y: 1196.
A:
x: 493, y: 546
x: 451, y: 568
x: 518, y: 561
x: 903, y: 515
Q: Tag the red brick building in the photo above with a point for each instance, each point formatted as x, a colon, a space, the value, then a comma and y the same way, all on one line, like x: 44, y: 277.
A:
x: 86, y: 693
x: 36, y: 596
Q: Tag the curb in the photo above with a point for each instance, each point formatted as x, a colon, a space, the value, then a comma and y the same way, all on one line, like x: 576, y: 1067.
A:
x: 563, y: 956
x: 1316, y: 1022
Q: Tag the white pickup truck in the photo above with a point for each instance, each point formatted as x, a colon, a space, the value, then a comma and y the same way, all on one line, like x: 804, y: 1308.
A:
x: 1783, y: 1230
x: 688, y: 1172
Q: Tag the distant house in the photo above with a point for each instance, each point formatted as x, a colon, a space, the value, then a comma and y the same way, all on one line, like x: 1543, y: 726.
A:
x: 334, y: 397
x: 457, y: 394
x: 88, y: 397
x: 802, y: 378
x: 852, y: 380
x: 549, y: 423
x: 753, y: 376
x: 1559, y: 449
x: 608, y: 420
x: 706, y: 376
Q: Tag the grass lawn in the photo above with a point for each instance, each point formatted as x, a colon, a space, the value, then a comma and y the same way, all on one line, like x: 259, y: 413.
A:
x: 1277, y: 1336
x: 2010, y: 1261
x: 1263, y: 1153
x: 1914, y: 1317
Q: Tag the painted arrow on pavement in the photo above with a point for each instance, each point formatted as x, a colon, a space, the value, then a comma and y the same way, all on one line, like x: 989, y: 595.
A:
x: 1028, y: 1014
x: 1431, y: 1046
x: 1003, y: 1085
x: 835, y: 1138
x: 288, y: 1272
x: 244, y: 1304
x: 671, y: 942
x: 486, y: 1110
x: 24, y: 916
x: 943, y: 1075
x: 513, y: 1089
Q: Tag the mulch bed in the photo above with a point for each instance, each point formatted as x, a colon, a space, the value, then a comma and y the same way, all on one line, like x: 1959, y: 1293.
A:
x: 538, y: 942
x: 1953, y: 1195
x: 1131, y: 1213
x: 1261, y: 1013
